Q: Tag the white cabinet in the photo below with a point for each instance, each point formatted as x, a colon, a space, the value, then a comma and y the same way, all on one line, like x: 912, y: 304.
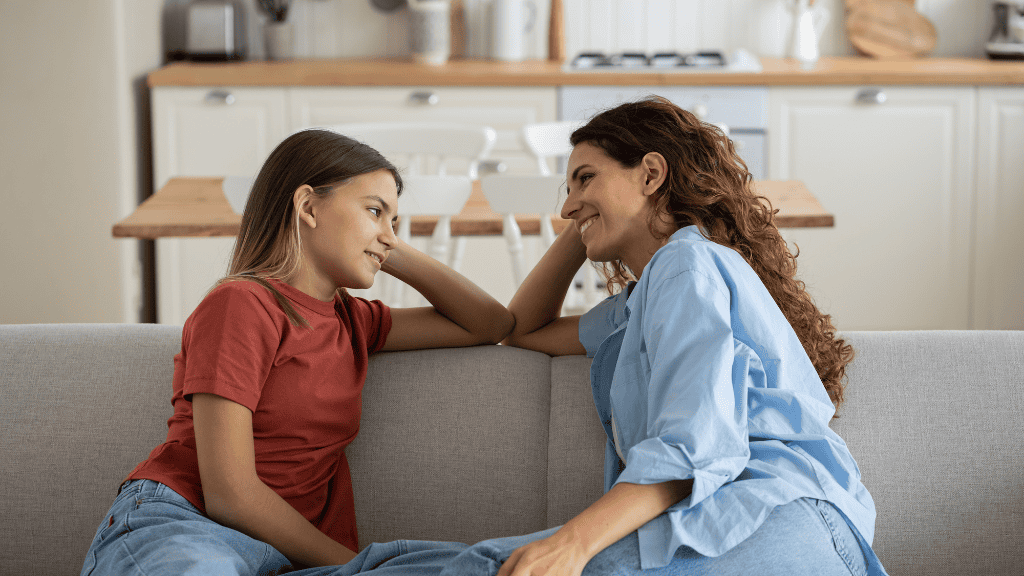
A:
x: 504, y: 109
x: 206, y: 132
x: 231, y: 131
x: 898, y: 175
x: 998, y: 275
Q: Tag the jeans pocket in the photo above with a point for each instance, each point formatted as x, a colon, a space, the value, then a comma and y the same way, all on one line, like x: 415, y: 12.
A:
x: 845, y: 541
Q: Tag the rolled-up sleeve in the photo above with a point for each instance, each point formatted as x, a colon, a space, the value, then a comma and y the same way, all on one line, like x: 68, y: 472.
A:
x: 694, y: 422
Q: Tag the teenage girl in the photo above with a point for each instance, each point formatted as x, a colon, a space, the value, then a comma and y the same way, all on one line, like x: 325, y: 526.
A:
x: 252, y: 478
x: 714, y: 374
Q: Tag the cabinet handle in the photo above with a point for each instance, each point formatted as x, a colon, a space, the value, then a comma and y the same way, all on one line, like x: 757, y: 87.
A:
x: 870, y: 96
x: 424, y: 98
x: 220, y: 97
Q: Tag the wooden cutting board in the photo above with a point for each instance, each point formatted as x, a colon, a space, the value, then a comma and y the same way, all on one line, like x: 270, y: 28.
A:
x: 889, y: 29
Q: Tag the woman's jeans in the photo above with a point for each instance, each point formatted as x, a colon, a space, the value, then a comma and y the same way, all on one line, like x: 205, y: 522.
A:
x: 152, y: 530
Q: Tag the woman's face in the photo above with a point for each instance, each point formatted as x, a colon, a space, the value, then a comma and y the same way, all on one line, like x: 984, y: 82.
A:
x: 610, y: 205
x: 354, y: 232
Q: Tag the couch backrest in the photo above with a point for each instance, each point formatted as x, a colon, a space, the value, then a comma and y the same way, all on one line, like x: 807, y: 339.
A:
x: 472, y: 443
x: 935, y: 422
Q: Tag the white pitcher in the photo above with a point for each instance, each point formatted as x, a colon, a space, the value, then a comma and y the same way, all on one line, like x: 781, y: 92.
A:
x: 809, y: 24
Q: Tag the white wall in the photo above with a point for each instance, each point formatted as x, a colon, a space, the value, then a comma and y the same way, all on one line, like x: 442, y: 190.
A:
x: 351, y: 28
x: 69, y: 159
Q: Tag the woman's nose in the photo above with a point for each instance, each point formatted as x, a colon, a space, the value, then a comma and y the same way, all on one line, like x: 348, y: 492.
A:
x: 388, y: 237
x: 570, y: 206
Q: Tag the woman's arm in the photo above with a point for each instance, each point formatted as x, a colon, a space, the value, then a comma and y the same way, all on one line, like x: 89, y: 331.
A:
x: 620, y: 511
x: 237, y: 498
x: 538, y: 302
x: 462, y: 313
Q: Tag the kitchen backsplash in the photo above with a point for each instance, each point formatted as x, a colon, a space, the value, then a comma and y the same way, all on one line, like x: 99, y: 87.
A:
x: 354, y: 28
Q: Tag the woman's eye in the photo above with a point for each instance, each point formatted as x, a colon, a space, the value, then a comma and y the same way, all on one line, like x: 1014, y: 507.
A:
x: 376, y: 211
x: 585, y: 177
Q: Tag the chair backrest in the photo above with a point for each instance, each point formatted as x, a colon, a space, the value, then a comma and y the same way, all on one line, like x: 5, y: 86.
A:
x: 434, y: 195
x: 523, y: 193
x: 548, y: 140
x: 425, y: 147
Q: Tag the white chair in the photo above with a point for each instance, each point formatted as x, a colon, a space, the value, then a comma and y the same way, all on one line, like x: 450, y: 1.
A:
x: 523, y: 194
x: 428, y: 148
x: 549, y: 141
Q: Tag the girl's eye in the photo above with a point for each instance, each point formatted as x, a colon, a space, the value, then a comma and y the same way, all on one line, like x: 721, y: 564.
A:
x: 376, y: 211
x: 585, y: 177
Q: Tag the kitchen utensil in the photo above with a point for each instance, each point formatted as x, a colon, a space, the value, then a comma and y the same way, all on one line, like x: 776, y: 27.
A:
x: 889, y: 29
x: 1007, y: 39
x: 277, y: 10
x: 556, y: 32
x: 809, y: 24
x: 511, y: 21
x: 215, y: 30
x: 430, y: 31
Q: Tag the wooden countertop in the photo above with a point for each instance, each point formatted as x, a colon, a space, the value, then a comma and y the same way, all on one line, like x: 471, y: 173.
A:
x: 850, y: 70
x: 189, y: 207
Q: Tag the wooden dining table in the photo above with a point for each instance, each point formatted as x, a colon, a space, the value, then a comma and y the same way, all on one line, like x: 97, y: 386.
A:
x: 197, y: 207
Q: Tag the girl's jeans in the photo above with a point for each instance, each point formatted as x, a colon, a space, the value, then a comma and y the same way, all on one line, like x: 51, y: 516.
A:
x: 152, y: 530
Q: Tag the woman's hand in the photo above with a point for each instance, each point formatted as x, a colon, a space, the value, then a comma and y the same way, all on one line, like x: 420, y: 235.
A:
x: 561, y: 554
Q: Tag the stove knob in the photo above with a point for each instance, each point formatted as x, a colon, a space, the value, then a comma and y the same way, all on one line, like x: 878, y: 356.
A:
x: 700, y: 111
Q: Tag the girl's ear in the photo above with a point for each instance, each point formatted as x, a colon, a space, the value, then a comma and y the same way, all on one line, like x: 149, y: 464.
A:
x: 302, y: 200
x: 655, y: 170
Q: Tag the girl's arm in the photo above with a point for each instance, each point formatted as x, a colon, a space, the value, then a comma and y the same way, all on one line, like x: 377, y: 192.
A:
x: 538, y: 302
x: 237, y: 498
x: 623, y: 509
x: 461, y: 314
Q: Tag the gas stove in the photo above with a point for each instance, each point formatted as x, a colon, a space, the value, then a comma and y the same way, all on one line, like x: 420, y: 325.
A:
x: 670, y: 62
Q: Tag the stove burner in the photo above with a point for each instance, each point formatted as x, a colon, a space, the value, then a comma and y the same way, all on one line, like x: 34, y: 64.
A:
x: 639, y: 60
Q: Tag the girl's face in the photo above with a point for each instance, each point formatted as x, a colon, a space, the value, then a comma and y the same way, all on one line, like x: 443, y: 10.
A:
x: 610, y: 205
x: 348, y: 234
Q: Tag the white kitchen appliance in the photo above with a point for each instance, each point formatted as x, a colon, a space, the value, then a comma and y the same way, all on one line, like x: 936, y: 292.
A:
x: 704, y: 62
x: 743, y: 109
x: 215, y: 30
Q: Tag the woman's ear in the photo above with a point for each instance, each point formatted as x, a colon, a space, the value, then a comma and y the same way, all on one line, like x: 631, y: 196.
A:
x: 302, y: 200
x: 655, y: 170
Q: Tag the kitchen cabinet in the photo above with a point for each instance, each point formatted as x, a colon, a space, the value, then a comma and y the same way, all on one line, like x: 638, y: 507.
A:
x: 998, y: 274
x: 895, y: 165
x: 504, y: 109
x: 230, y: 131
x: 207, y: 132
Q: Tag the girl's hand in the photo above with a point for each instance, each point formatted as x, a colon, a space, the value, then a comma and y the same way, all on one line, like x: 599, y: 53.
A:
x: 557, y: 555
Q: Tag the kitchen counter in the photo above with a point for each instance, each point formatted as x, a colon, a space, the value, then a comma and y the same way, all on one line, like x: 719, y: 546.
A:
x: 402, y: 72
x: 191, y: 207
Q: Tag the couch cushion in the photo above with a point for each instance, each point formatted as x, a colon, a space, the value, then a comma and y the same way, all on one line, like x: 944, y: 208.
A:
x: 453, y: 445
x: 80, y: 405
x: 575, y: 441
x: 934, y: 421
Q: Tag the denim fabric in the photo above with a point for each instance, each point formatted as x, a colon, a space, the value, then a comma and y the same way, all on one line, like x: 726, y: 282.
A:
x: 804, y: 537
x: 152, y: 530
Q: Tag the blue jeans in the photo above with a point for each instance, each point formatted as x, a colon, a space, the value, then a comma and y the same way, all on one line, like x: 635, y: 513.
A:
x: 805, y: 537
x: 152, y: 530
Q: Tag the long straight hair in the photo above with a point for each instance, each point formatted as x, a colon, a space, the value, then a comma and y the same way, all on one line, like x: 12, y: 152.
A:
x: 709, y: 185
x: 269, y: 245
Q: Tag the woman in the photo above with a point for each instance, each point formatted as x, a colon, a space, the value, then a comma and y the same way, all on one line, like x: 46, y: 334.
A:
x: 714, y: 374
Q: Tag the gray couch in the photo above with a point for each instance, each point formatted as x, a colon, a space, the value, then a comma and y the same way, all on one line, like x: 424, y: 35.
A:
x: 480, y: 442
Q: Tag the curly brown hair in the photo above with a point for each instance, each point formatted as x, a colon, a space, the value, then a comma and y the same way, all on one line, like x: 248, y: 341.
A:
x: 709, y: 185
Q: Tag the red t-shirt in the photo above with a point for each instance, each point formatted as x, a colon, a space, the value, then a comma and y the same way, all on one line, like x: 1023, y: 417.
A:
x: 303, y: 386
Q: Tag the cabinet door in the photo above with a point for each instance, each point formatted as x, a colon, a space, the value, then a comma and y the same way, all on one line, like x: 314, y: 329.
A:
x: 998, y: 294
x: 206, y: 132
x: 505, y: 109
x: 897, y: 172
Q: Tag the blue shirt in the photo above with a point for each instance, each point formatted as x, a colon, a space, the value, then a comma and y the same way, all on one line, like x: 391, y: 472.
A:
x: 697, y: 374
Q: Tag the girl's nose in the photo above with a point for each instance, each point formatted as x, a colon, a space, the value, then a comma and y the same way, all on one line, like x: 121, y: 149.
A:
x: 388, y: 237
